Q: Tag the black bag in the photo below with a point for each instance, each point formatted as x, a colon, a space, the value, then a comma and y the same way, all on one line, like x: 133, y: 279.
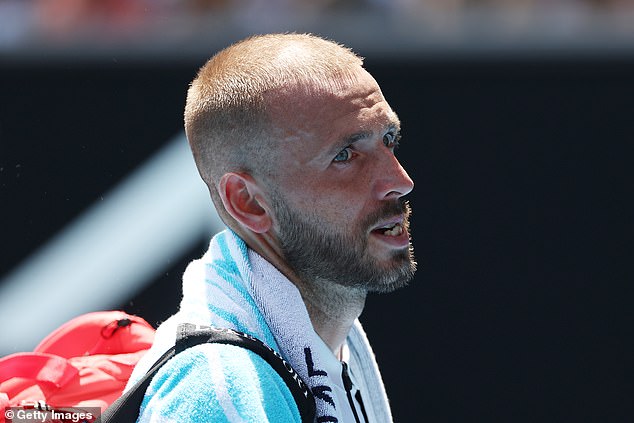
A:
x: 126, y: 408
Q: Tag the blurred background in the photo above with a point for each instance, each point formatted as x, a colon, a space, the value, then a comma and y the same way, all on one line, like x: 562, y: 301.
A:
x: 518, y: 130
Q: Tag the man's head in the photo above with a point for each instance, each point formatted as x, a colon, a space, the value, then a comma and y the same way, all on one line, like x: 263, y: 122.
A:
x: 295, y: 142
x: 226, y: 116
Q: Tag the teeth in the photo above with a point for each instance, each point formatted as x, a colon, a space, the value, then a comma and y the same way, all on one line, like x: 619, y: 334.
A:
x: 395, y: 231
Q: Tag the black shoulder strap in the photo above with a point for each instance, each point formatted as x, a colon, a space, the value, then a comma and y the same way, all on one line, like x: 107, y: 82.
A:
x: 126, y: 408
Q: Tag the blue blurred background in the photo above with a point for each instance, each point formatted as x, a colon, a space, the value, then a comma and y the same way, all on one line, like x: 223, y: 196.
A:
x: 518, y: 131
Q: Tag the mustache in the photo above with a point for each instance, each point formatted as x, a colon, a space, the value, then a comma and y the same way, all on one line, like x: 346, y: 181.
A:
x: 389, y: 210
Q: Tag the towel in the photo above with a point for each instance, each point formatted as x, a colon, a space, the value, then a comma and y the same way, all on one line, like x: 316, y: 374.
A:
x: 232, y: 286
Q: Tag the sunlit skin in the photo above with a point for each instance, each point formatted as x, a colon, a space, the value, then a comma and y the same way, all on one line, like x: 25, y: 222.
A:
x: 336, y: 165
x: 335, y: 159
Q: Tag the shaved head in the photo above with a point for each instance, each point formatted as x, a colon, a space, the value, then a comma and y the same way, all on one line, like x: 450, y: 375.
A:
x: 227, y: 119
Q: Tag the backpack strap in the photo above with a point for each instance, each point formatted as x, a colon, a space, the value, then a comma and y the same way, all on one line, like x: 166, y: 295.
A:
x: 126, y: 408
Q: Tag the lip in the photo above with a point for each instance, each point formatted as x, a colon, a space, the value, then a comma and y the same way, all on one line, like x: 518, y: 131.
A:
x: 392, y: 221
x: 400, y: 241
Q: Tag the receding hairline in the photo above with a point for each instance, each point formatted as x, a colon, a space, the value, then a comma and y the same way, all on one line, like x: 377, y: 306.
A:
x: 226, y: 121
x: 264, y: 63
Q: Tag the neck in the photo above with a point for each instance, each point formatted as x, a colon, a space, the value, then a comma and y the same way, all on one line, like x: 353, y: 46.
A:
x: 332, y: 307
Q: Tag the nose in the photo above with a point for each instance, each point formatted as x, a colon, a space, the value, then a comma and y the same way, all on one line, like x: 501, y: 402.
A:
x: 392, y: 180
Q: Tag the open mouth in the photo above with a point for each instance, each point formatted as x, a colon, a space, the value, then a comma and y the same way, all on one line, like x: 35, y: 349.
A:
x: 393, y: 234
x: 393, y: 229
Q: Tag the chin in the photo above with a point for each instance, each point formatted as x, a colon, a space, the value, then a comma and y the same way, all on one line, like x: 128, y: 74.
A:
x: 395, y: 275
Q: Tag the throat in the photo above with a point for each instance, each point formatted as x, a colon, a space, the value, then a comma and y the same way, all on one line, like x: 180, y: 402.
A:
x: 332, y: 309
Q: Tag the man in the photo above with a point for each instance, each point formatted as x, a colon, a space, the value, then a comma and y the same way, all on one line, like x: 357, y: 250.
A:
x: 296, y: 143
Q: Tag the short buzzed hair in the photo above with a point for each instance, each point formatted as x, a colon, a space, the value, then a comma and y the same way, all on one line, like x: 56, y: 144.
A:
x: 226, y: 118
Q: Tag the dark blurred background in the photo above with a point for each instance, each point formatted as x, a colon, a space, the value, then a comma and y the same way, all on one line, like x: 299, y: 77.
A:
x: 517, y: 129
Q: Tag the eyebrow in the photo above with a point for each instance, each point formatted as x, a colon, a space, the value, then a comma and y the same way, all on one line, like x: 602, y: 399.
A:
x: 349, y: 140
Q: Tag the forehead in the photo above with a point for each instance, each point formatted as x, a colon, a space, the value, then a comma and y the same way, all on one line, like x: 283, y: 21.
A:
x: 330, y: 110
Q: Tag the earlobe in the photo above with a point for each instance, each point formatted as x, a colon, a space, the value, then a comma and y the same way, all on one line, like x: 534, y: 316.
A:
x: 242, y: 199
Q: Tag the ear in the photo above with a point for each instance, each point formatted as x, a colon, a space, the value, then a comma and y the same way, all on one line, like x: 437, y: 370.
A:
x: 244, y: 201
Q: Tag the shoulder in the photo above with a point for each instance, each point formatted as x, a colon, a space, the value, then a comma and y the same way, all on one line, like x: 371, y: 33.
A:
x: 218, y: 383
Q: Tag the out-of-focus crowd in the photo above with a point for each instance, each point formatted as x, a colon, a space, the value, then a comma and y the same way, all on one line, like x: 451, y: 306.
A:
x: 59, y: 20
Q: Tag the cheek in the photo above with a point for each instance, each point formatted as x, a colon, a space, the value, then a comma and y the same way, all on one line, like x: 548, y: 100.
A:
x: 337, y: 206
x: 340, y: 200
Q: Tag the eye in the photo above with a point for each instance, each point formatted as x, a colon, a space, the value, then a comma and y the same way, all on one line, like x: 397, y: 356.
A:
x: 343, y: 156
x: 391, y: 139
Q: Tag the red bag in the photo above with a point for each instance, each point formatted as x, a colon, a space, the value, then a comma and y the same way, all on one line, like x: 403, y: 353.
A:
x: 86, y: 362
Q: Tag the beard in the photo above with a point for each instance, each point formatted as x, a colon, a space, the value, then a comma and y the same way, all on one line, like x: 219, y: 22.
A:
x: 318, y: 250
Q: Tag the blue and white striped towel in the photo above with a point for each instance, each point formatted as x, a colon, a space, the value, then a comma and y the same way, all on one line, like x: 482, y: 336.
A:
x: 233, y: 287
